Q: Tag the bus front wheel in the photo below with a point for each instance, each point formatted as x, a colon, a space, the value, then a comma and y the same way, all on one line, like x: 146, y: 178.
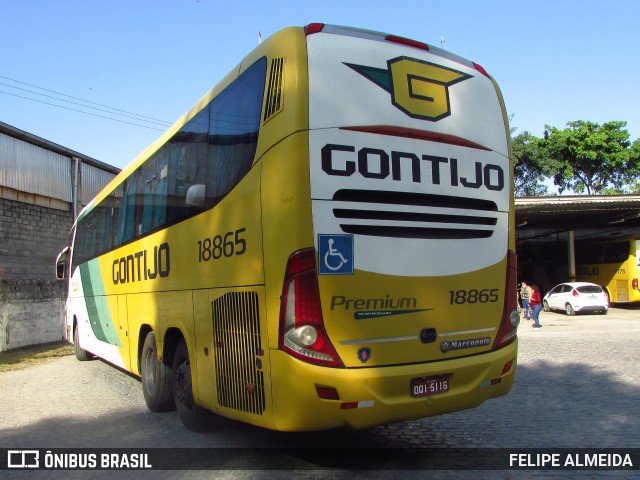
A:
x: 81, y: 353
x: 157, y: 378
x: 193, y: 417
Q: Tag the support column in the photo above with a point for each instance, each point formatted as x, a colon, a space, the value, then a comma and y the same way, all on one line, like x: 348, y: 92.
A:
x: 572, y: 256
x: 76, y: 186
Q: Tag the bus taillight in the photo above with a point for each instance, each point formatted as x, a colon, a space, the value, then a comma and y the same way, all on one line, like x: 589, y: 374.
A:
x: 481, y: 70
x: 313, y: 28
x: 302, y: 333
x: 407, y: 41
x: 634, y: 284
x: 510, y: 315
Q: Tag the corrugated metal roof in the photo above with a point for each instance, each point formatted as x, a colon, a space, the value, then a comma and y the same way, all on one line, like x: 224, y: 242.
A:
x: 570, y: 212
x: 576, y: 200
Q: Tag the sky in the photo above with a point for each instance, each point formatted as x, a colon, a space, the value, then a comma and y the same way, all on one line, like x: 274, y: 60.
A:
x: 144, y: 63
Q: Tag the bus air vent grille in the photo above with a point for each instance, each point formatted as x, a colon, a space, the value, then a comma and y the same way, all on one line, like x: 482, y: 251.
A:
x: 274, y: 103
x: 414, y: 215
x: 238, y: 352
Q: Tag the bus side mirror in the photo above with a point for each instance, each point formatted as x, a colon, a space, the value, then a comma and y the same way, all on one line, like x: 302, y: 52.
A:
x: 195, y: 195
x: 61, y: 263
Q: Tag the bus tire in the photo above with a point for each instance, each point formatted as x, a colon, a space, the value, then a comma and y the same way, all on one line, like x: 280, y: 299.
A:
x: 157, y: 378
x: 81, y: 353
x: 193, y: 417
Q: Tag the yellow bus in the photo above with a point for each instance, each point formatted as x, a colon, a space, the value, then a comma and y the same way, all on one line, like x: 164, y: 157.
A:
x: 326, y: 239
x: 612, y: 264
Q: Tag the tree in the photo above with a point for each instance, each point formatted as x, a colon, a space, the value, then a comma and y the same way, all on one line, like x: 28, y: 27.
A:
x: 590, y: 157
x: 635, y: 150
x: 528, y: 170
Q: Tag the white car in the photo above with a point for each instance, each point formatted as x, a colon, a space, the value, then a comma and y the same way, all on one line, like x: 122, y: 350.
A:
x: 576, y: 297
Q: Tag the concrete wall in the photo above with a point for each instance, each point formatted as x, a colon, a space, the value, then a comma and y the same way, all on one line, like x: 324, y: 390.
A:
x: 31, y: 300
x: 31, y: 236
x: 42, y: 184
x: 31, y: 312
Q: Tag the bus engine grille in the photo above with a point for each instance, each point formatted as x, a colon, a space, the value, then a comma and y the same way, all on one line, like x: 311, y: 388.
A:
x: 414, y: 215
x: 238, y: 346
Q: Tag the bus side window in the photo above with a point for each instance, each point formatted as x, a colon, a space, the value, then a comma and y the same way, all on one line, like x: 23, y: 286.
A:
x: 234, y: 122
x: 126, y: 215
x: 104, y: 226
x: 147, y: 182
x: 187, y: 153
x: 160, y: 212
x: 201, y: 163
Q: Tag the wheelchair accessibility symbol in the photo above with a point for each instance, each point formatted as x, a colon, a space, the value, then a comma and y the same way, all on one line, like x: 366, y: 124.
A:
x: 335, y: 254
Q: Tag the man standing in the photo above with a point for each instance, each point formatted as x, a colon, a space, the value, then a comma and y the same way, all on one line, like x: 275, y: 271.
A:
x: 525, y: 294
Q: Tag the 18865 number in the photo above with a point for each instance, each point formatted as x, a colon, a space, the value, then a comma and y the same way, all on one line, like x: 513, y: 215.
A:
x: 227, y: 245
x: 460, y: 297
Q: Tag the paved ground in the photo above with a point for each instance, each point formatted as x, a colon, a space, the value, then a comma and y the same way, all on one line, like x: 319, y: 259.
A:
x: 577, y: 385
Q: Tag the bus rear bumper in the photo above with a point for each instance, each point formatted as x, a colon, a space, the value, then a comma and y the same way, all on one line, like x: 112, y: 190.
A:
x: 381, y: 395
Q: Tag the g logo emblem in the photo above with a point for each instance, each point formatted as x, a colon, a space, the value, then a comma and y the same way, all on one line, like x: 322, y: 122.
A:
x: 420, y: 89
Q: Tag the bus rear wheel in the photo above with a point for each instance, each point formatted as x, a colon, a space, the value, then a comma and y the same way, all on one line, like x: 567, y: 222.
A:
x: 193, y: 417
x: 157, y: 378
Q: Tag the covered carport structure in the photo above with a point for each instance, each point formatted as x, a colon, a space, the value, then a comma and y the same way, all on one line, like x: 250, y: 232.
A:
x: 548, y: 227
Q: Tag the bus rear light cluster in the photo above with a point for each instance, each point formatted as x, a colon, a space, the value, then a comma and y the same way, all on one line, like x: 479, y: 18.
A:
x: 302, y: 333
x: 634, y: 284
x: 510, y: 316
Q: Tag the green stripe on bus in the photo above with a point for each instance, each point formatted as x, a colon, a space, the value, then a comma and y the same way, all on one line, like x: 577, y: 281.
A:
x: 96, y: 301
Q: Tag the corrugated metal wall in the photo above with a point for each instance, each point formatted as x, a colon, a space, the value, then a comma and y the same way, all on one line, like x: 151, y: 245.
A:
x: 93, y: 180
x: 29, y: 168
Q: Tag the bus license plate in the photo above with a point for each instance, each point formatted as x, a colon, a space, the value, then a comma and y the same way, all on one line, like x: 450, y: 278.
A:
x: 421, y: 387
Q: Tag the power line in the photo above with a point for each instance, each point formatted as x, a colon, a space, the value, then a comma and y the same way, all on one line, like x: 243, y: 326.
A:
x: 142, y: 118
x: 81, y: 111
x: 82, y: 100
x: 165, y: 124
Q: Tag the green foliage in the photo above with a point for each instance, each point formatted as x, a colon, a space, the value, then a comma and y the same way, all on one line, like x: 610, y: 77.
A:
x: 592, y: 158
x: 585, y: 157
x: 529, y: 162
